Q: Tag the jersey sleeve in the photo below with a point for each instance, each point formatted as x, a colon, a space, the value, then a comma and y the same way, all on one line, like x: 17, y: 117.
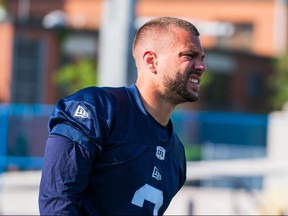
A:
x: 84, y: 117
x: 65, y: 174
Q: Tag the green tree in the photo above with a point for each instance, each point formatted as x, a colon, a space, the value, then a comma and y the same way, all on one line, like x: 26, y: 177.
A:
x: 279, y: 82
x: 72, y: 77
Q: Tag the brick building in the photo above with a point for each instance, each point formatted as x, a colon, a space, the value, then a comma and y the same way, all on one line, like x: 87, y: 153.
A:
x: 240, y: 38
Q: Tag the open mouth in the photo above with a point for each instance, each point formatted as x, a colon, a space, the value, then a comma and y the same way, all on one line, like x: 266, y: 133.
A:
x: 194, y: 78
x: 196, y: 81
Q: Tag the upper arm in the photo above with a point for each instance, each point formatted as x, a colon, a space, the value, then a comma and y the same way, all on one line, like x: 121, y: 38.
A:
x: 65, y: 176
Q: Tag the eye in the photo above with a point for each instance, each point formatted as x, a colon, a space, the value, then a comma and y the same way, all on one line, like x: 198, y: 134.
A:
x: 202, y: 58
x: 195, y: 55
x: 190, y: 56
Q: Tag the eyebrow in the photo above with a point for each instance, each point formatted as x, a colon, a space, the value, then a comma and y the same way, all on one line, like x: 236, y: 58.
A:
x: 190, y: 52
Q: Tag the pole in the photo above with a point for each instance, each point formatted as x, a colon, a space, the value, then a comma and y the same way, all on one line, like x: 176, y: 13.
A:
x: 115, y: 41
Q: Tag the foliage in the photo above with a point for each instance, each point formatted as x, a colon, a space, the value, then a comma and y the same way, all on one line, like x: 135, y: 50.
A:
x: 75, y: 76
x: 279, y: 82
x: 193, y: 152
x: 206, y: 79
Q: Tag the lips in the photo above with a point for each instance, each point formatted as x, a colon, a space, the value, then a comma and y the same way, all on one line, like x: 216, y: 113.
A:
x: 195, y: 78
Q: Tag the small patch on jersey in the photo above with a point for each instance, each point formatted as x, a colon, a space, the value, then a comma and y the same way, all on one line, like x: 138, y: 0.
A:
x: 156, y: 174
x: 160, y: 153
x: 81, y: 112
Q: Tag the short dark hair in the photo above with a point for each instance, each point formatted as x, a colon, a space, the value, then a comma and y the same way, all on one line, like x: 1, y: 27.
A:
x: 164, y: 23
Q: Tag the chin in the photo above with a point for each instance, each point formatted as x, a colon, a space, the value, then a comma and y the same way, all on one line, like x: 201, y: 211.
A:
x: 188, y: 99
x: 192, y: 97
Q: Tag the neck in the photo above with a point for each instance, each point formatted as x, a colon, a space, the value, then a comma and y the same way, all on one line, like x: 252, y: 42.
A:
x: 159, y: 109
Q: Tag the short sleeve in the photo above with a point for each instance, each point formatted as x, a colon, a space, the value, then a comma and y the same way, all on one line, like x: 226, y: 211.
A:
x: 84, y: 117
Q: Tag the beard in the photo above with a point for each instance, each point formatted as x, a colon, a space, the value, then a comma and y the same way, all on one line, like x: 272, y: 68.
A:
x: 177, y: 92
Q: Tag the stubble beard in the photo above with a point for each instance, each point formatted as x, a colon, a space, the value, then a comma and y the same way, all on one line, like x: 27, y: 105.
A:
x: 176, y: 90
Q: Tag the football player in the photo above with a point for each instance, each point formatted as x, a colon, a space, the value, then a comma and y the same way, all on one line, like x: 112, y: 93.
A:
x: 112, y: 150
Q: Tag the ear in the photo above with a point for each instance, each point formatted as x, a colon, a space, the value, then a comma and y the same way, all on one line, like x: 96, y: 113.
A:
x: 150, y: 61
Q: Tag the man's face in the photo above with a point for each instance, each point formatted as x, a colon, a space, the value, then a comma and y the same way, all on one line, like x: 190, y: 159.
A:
x: 180, y: 67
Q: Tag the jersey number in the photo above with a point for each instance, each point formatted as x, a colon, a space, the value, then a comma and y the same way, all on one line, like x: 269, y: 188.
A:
x: 149, y: 193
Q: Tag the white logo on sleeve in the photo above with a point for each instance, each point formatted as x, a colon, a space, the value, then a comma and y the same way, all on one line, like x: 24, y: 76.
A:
x: 160, y: 153
x: 81, y: 112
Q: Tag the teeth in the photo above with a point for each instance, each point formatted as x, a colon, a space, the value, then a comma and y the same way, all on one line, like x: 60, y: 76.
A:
x: 194, y: 81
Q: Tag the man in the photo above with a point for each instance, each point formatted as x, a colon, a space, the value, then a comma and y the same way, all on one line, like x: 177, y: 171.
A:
x: 112, y: 151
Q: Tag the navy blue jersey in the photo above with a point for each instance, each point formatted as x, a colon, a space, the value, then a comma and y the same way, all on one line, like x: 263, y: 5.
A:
x: 107, y: 156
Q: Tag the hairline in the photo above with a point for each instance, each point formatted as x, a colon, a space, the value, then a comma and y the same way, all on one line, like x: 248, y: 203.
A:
x: 169, y: 24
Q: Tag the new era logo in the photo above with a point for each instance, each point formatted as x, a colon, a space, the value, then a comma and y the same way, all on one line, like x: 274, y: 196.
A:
x: 81, y: 112
x: 156, y: 174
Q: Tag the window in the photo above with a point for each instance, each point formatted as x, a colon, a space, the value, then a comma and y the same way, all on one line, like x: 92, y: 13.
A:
x: 27, y: 71
x: 241, y: 39
x: 216, y: 95
x: 255, y: 85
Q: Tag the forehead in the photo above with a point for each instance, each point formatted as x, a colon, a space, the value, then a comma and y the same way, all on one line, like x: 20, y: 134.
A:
x: 187, y: 41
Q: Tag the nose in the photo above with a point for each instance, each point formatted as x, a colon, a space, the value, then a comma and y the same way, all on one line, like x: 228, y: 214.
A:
x: 200, y: 66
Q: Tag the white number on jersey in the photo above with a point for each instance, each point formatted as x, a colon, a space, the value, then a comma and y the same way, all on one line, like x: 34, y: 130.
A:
x: 148, y: 193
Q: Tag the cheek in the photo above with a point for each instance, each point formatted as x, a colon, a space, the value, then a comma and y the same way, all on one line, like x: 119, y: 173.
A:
x: 189, y: 65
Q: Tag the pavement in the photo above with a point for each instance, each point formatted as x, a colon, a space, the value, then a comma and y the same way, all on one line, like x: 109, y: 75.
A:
x: 19, y: 193
x: 19, y: 196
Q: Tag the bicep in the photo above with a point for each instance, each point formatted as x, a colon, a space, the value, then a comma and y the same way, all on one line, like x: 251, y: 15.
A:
x: 65, y: 175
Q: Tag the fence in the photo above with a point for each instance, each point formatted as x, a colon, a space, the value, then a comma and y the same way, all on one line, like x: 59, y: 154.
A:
x: 23, y: 133
x: 218, y: 134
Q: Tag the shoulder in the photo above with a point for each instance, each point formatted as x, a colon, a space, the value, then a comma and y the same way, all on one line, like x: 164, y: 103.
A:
x: 95, y: 102
x: 88, y: 114
x: 100, y: 99
x: 96, y: 94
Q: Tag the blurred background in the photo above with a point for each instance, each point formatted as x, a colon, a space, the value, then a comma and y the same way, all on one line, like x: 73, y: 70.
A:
x: 235, y: 137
